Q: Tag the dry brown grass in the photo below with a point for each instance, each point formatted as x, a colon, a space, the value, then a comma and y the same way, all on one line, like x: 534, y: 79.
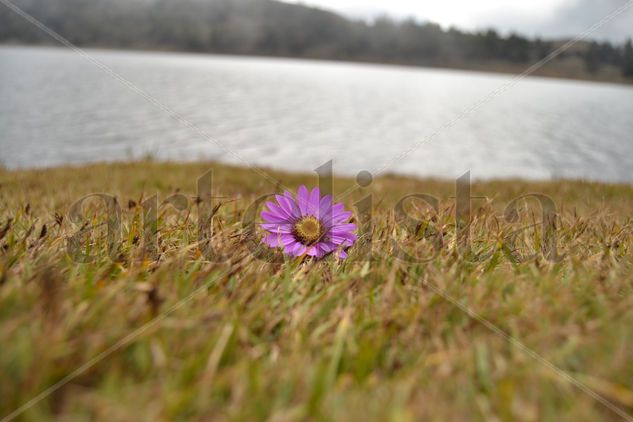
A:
x: 359, y: 340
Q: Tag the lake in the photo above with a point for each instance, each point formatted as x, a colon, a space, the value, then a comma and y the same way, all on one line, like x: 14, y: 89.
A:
x: 59, y: 108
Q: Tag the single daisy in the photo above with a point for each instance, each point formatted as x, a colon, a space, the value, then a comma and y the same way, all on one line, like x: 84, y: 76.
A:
x: 308, y: 225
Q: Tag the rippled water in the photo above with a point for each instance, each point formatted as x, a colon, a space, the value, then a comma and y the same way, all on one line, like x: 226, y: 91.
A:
x: 56, y: 108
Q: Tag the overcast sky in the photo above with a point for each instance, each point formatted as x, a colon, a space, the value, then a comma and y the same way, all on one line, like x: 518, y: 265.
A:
x: 546, y: 18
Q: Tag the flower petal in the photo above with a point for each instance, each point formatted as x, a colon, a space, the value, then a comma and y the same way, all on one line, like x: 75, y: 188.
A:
x: 321, y: 252
x: 342, y: 228
x: 303, y: 199
x: 325, y: 210
x: 326, y: 247
x: 273, y: 240
x: 338, y: 208
x: 313, y: 202
x: 287, y: 239
x: 298, y: 249
x: 341, y: 217
x: 272, y: 217
x: 345, y: 239
x: 313, y: 251
x: 288, y: 204
x: 277, y: 228
x: 275, y: 208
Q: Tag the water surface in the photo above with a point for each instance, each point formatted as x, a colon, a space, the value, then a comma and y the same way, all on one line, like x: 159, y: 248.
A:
x: 57, y: 108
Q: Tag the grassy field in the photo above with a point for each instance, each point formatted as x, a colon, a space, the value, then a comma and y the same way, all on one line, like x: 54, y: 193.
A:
x: 488, y: 334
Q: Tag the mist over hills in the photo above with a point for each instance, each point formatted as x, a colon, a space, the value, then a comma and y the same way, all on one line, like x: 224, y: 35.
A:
x: 268, y: 27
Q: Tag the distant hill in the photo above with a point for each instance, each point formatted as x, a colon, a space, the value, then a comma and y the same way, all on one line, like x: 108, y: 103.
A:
x: 268, y: 27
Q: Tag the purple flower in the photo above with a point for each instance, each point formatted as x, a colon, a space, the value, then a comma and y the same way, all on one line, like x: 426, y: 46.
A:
x: 310, y: 225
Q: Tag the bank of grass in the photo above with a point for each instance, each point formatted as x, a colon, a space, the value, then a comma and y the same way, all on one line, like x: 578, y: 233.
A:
x: 380, y: 339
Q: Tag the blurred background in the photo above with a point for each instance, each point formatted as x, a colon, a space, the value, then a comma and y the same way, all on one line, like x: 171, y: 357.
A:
x: 406, y: 86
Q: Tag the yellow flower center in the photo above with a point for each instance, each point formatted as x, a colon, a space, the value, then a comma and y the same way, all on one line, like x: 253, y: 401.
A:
x: 308, y: 230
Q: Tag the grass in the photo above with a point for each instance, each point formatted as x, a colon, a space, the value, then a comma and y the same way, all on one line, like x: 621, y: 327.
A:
x: 379, y: 339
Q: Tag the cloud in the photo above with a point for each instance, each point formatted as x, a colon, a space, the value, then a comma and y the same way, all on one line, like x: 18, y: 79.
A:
x: 545, y: 18
x: 568, y: 20
x: 577, y: 17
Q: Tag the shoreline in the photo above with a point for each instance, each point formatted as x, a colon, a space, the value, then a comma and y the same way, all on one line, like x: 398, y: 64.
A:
x: 502, y: 68
x: 199, y: 165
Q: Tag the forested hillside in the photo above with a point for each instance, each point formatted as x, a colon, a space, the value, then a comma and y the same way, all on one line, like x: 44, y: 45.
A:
x: 267, y: 27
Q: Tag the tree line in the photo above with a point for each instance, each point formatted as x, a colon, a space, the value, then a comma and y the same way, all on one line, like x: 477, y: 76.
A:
x: 268, y: 27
